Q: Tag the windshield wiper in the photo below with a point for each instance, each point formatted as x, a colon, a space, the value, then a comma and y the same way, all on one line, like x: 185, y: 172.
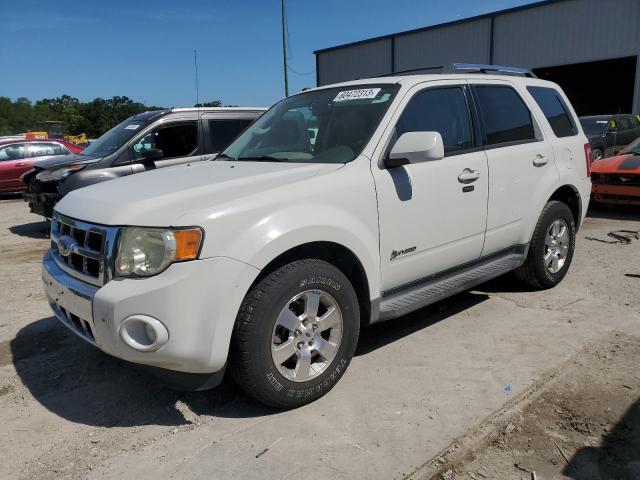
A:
x: 264, y: 158
x: 223, y: 155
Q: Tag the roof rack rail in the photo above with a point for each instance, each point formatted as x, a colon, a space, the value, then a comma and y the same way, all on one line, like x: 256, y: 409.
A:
x: 467, y: 68
x: 482, y: 68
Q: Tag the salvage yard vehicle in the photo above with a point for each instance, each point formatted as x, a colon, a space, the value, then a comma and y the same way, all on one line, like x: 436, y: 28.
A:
x: 616, y: 180
x: 18, y: 155
x: 146, y: 141
x: 608, y: 134
x: 268, y: 260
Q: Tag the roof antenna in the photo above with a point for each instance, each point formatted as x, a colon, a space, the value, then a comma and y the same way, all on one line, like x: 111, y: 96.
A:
x: 195, y: 65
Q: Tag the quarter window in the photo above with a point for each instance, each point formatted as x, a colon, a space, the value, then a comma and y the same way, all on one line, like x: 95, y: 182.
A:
x: 223, y: 132
x: 174, y: 140
x: 505, y: 116
x: 556, y: 111
x: 442, y: 110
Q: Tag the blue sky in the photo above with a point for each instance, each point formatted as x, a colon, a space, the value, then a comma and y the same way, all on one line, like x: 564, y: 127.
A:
x: 144, y: 50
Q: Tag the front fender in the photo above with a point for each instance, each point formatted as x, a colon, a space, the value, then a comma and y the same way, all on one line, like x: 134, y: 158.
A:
x: 298, y: 225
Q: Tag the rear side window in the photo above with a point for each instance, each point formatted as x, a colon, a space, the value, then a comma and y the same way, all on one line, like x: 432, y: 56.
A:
x: 177, y: 140
x: 45, y: 149
x: 556, y: 111
x: 442, y: 110
x: 223, y: 132
x: 505, y: 116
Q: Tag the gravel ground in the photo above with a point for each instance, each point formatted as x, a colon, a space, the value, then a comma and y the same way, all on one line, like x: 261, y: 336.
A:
x: 415, y: 387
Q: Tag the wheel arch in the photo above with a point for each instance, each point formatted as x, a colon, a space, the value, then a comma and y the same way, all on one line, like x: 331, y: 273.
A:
x: 337, y: 255
x: 570, y: 196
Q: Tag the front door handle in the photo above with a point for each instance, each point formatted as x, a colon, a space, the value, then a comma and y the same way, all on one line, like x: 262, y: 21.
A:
x: 468, y: 176
x: 21, y: 164
x: 540, y: 160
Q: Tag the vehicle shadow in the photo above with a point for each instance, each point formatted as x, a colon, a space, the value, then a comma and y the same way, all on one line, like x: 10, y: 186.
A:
x: 620, y: 212
x: 32, y: 230
x: 16, y: 197
x: 618, y: 456
x: 83, y: 385
x: 384, y: 333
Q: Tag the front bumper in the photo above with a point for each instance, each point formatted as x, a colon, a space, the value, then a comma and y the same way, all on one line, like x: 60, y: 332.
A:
x: 41, y: 203
x: 616, y: 194
x: 196, y: 301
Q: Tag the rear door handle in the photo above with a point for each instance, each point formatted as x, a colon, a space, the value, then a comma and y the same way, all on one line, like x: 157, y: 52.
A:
x: 540, y: 160
x: 468, y: 176
x: 21, y: 164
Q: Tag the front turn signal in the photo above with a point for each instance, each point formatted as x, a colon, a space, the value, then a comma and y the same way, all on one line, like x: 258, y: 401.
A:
x: 188, y: 243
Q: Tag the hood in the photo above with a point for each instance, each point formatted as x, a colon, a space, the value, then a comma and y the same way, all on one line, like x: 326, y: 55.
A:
x: 160, y: 197
x: 55, y: 161
x: 629, y: 163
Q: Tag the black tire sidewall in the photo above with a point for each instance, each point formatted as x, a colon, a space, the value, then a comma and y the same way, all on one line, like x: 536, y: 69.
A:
x: 297, y: 278
x: 553, y: 212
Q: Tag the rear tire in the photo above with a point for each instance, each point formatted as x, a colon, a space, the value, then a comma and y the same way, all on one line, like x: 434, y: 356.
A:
x: 295, y: 334
x: 551, y: 248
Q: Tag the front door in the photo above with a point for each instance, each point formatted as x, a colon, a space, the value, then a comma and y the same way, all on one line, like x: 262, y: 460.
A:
x: 433, y: 214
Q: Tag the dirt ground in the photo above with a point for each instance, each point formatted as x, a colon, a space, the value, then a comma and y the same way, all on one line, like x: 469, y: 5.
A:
x: 582, y: 424
x: 449, y: 377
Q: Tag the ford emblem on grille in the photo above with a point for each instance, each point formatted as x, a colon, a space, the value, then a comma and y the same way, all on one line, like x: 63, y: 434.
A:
x: 66, y: 244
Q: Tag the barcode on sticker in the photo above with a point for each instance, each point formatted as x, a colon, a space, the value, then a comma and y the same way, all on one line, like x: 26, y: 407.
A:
x: 361, y: 93
x: 131, y: 127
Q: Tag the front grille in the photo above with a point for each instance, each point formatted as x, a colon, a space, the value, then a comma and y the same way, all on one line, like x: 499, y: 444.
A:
x: 82, y: 249
x: 620, y: 179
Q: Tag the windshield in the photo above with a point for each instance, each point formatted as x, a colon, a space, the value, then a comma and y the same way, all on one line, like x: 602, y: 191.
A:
x: 115, y: 138
x: 594, y: 126
x: 634, y: 147
x: 323, y: 126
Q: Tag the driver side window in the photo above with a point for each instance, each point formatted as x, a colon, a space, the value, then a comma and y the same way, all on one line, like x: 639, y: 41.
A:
x: 12, y: 152
x: 178, y: 140
x: 442, y: 110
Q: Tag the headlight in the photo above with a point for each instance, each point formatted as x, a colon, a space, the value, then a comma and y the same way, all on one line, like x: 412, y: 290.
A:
x: 143, y: 252
x: 58, y: 174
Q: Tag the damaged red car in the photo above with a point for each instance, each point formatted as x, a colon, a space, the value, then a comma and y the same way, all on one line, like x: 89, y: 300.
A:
x: 616, y: 180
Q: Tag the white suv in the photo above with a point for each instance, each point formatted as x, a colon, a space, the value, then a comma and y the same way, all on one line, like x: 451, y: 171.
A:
x: 340, y: 207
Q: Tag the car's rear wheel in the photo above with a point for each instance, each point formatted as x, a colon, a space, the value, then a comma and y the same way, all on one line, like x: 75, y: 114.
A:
x: 295, y: 334
x: 551, y: 248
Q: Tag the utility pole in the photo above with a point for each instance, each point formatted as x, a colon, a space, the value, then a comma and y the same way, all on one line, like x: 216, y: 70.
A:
x: 284, y: 49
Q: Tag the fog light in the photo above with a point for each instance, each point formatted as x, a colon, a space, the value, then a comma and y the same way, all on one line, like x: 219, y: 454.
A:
x: 144, y: 333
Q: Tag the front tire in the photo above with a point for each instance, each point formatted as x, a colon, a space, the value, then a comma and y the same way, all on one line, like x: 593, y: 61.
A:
x: 295, y: 334
x: 551, y: 248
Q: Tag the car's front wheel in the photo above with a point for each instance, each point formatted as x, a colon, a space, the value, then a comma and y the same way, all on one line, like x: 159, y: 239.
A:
x: 295, y: 334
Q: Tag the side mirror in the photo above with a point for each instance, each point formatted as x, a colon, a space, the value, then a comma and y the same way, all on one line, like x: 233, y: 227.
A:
x: 152, y: 155
x: 415, y: 147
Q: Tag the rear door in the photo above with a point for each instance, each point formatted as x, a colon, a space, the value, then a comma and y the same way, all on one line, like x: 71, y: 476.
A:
x: 12, y: 165
x: 521, y: 163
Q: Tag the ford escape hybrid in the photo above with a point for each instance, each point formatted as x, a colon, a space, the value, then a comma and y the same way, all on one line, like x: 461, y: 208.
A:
x: 340, y: 207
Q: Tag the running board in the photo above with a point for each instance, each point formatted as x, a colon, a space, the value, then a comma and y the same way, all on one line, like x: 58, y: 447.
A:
x: 403, y: 300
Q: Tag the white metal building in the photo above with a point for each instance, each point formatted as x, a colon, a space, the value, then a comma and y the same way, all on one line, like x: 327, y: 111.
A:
x: 590, y: 47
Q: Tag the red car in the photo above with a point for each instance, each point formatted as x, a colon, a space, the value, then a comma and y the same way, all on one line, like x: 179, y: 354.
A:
x: 16, y: 157
x: 616, y: 180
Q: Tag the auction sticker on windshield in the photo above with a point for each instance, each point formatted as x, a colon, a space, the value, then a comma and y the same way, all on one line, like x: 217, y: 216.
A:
x: 131, y: 127
x: 361, y: 93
